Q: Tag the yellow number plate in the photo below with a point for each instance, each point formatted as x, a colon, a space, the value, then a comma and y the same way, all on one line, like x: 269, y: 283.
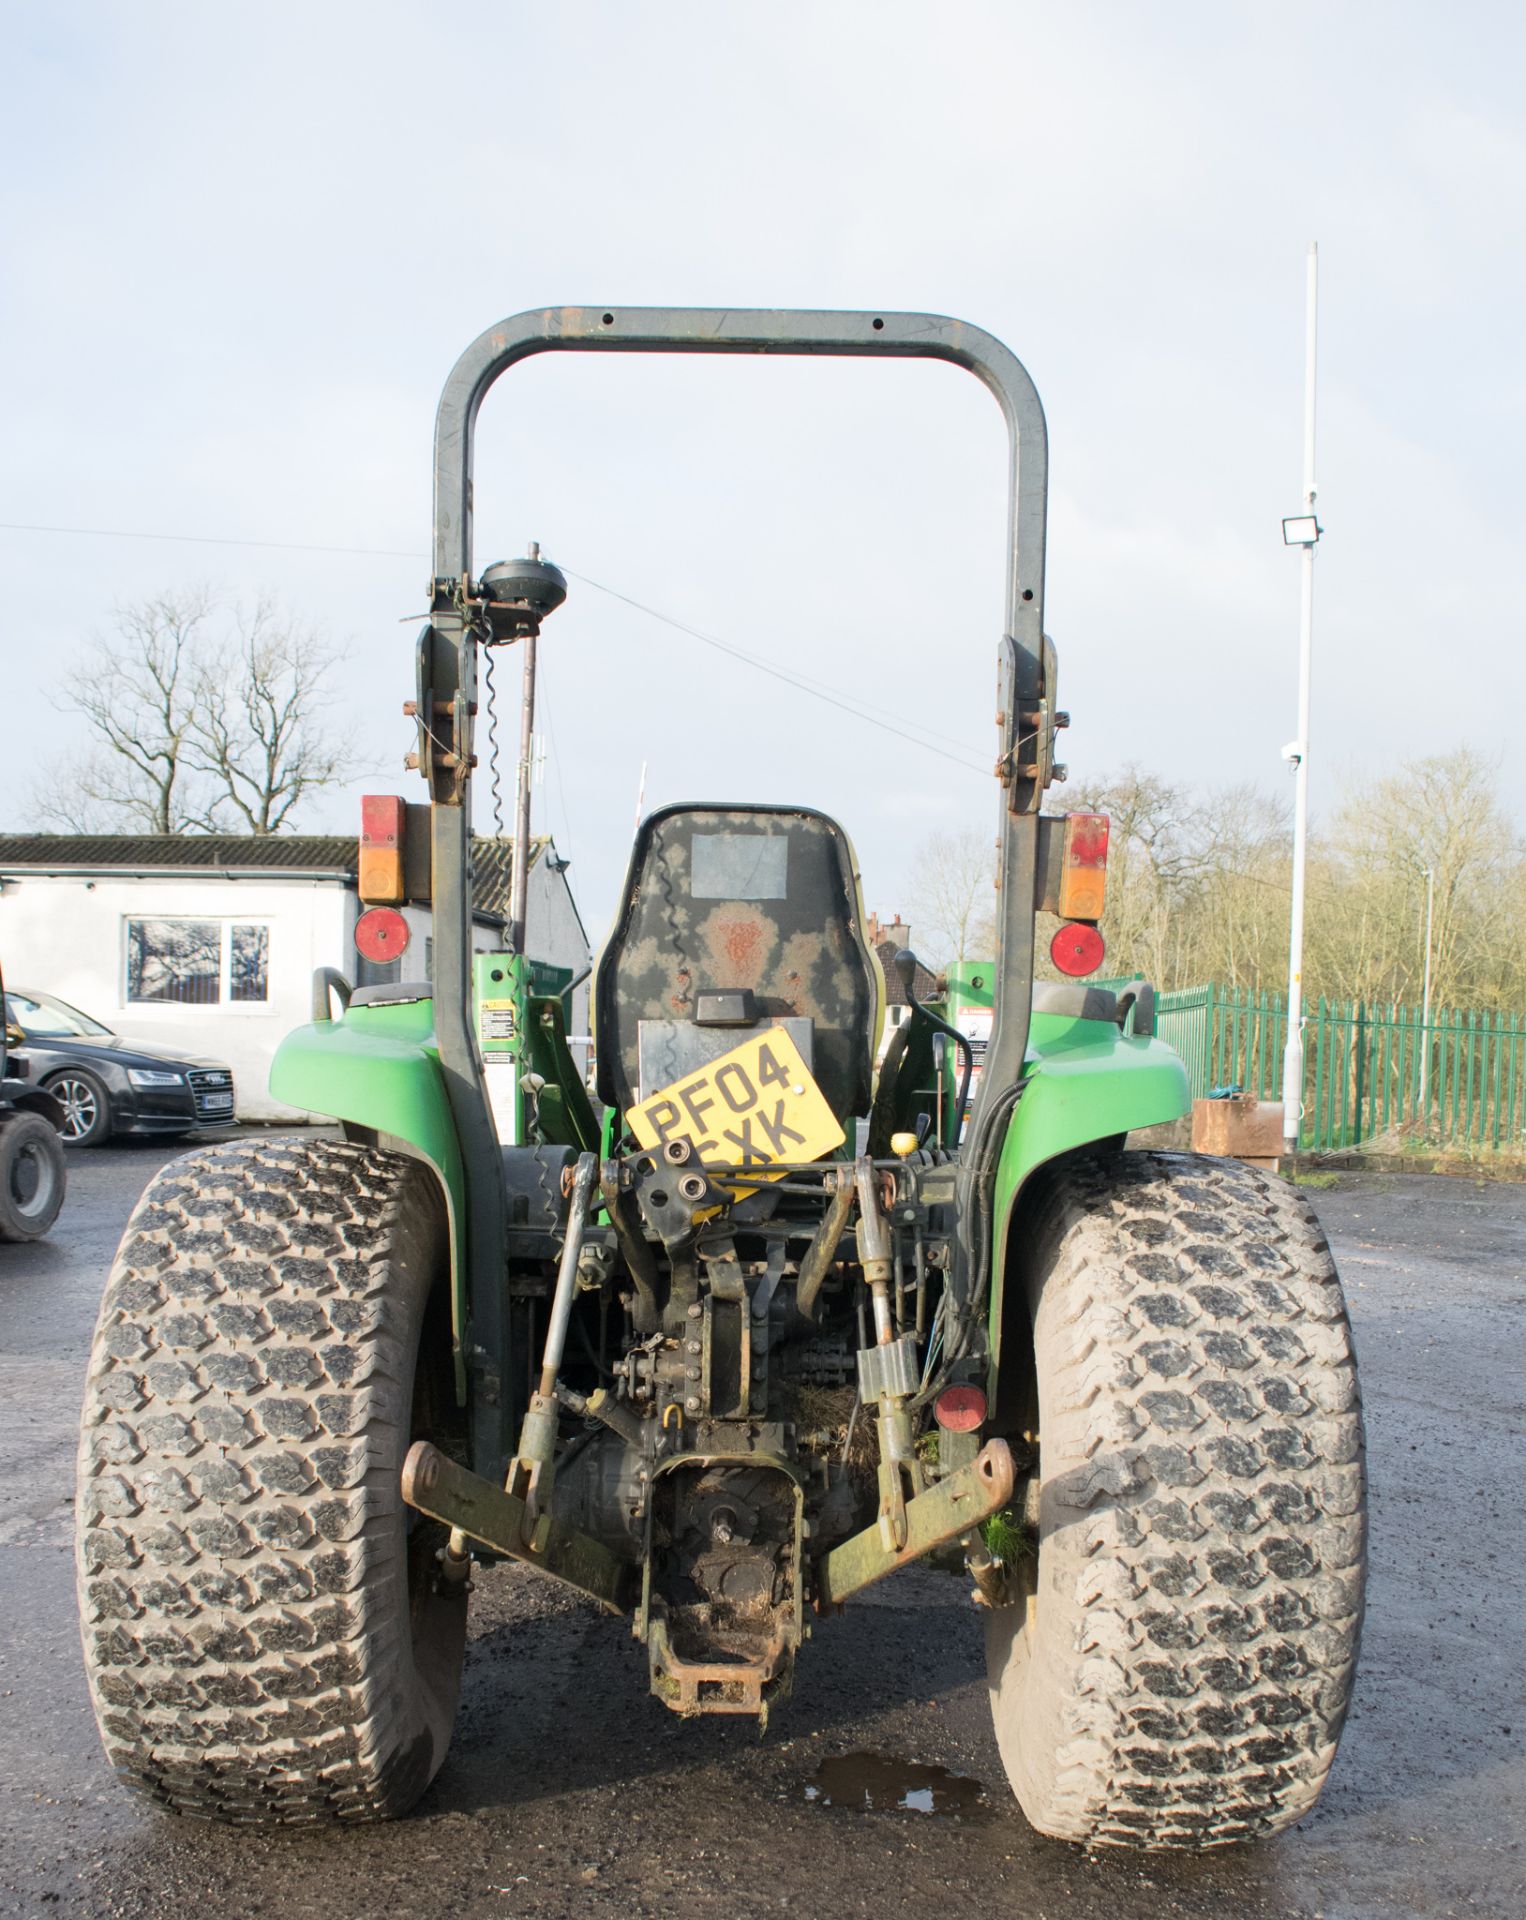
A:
x: 750, y: 1108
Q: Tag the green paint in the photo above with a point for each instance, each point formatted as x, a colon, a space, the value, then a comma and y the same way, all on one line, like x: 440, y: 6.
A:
x: 564, y: 1113
x: 500, y: 1009
x: 379, y: 1067
x: 970, y: 984
x: 1085, y: 1081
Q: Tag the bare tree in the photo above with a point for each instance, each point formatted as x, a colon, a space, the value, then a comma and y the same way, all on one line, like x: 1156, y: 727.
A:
x: 1441, y: 814
x: 1198, y: 886
x: 197, y: 721
x: 135, y: 692
x: 953, y: 899
x: 1151, y: 870
x: 255, y: 730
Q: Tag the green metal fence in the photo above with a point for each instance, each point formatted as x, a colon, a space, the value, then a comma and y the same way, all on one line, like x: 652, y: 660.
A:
x: 1368, y: 1071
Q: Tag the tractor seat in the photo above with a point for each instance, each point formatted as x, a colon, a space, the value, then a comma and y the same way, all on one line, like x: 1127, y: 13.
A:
x: 732, y: 918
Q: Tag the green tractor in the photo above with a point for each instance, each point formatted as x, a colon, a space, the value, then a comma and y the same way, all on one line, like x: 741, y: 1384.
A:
x: 749, y: 1331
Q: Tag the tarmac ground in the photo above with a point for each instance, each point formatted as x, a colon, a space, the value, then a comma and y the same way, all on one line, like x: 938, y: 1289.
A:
x: 877, y: 1789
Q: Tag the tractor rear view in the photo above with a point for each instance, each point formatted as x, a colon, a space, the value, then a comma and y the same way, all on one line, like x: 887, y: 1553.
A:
x: 745, y: 1333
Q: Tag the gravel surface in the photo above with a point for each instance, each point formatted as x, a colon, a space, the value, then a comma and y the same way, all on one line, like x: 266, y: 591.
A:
x: 570, y: 1791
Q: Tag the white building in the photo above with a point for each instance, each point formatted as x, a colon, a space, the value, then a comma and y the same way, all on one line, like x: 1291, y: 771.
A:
x: 208, y: 942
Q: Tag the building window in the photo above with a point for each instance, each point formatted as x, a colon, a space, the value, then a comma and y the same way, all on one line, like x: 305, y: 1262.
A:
x: 376, y: 973
x: 248, y: 962
x: 197, y: 963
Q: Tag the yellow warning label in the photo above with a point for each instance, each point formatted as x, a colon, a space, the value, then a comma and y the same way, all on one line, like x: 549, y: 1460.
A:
x: 497, y: 1021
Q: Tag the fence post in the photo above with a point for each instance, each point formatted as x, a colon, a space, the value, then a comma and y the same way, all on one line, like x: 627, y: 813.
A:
x: 1496, y: 1048
x: 1359, y: 1132
x: 1317, y: 1132
x: 1458, y: 1076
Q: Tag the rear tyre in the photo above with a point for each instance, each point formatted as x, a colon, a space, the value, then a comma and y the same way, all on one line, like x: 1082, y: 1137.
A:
x: 32, y: 1176
x: 1179, y: 1670
x: 86, y: 1105
x: 265, y: 1636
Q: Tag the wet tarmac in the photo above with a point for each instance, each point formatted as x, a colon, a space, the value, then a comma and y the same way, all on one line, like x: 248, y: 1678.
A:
x: 569, y: 1792
x: 887, y: 1783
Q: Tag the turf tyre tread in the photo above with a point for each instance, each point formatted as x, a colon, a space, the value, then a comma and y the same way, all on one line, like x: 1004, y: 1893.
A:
x: 1181, y: 1676
x: 260, y: 1641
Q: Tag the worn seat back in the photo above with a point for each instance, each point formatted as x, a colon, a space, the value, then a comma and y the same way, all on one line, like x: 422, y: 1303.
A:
x: 732, y: 917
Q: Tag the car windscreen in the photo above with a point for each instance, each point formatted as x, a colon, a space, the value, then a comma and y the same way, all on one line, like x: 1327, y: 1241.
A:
x: 41, y: 1017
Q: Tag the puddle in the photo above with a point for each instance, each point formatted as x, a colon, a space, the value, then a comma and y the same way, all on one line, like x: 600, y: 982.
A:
x: 878, y: 1783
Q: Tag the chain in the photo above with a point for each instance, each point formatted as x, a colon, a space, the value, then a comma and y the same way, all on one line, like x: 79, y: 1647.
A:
x: 495, y: 776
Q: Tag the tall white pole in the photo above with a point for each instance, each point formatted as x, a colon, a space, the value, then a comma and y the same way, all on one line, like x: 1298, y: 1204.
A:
x: 1425, y: 998
x: 1292, y: 1058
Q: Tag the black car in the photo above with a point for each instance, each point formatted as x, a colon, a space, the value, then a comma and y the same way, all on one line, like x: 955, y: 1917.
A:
x: 108, y: 1085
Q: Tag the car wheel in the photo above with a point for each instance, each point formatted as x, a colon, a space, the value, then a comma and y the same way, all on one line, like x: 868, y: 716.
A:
x: 86, y: 1105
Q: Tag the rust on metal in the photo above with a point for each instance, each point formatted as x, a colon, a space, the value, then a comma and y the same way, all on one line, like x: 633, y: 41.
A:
x: 949, y: 1508
x: 466, y: 1501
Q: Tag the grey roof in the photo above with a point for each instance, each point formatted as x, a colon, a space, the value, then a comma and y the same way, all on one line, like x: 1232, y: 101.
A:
x: 310, y: 855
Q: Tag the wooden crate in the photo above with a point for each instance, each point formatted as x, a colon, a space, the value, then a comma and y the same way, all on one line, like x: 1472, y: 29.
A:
x: 1243, y: 1128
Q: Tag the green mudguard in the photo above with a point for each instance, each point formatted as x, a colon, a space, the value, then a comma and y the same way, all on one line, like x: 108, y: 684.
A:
x: 379, y: 1067
x: 1085, y: 1081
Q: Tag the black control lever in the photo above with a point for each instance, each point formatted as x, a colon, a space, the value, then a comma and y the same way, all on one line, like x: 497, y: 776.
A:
x: 905, y: 964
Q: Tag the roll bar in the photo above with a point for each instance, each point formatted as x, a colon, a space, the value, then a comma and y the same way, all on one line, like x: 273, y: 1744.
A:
x: 1025, y: 694
x: 897, y: 336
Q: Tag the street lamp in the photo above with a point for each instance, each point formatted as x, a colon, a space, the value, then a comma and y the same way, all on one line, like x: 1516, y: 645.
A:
x: 1301, y: 530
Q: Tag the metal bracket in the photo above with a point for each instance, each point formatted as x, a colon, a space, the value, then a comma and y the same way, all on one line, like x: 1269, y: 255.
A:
x: 717, y: 1686
x: 639, y: 1257
x: 738, y: 1686
x: 945, y: 1511
x: 462, y: 1499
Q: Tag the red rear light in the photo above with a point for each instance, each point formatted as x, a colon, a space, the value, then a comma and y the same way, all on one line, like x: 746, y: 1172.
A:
x: 959, y: 1409
x: 382, y: 817
x: 1078, y: 949
x: 381, y: 934
x: 1083, y: 871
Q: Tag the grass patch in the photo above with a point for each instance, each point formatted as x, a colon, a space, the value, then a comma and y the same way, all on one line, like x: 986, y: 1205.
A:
x: 1006, y: 1540
x: 1319, y: 1182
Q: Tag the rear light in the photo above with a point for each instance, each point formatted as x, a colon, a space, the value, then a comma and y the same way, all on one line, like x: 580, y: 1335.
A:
x: 381, y: 849
x: 381, y: 934
x: 1077, y: 950
x: 1083, y: 869
x: 959, y: 1409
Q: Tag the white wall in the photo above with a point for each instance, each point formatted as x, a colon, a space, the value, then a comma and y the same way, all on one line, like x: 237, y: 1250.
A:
x: 554, y: 933
x: 68, y: 937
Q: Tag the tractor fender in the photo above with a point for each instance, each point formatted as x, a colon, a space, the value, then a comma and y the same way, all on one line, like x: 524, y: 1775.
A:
x: 1086, y: 1082
x: 377, y: 1068
x: 27, y: 1099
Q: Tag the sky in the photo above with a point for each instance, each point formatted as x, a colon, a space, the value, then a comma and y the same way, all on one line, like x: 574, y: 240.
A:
x: 241, y: 247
